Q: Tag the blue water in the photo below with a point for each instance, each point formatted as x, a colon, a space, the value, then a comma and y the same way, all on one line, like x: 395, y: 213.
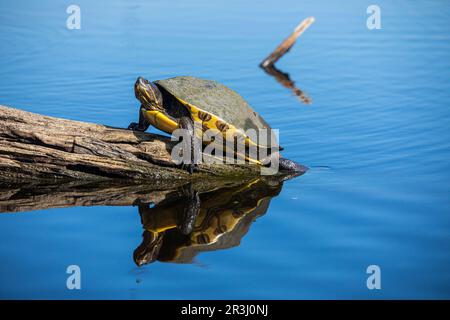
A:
x: 376, y: 138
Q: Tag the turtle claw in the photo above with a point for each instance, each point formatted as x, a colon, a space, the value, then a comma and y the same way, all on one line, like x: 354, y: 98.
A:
x: 133, y: 126
x: 138, y: 202
x: 189, y: 167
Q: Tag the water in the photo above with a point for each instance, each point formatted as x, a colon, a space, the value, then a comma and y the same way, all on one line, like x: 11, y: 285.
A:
x: 376, y: 137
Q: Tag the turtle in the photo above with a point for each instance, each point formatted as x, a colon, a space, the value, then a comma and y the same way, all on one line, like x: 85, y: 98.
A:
x: 184, y: 101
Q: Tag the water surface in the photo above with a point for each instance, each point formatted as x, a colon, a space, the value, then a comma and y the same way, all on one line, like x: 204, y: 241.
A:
x: 376, y: 137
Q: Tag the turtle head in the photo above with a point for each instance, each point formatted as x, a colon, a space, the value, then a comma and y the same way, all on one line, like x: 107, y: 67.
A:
x: 148, y: 94
x: 148, y: 250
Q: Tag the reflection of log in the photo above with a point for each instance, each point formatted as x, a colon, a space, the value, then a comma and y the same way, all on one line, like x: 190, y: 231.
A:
x: 37, y: 147
x: 38, y: 196
x: 287, y: 44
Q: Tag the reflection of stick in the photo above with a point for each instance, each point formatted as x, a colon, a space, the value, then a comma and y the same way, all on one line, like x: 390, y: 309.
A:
x: 284, y: 79
x: 287, y: 43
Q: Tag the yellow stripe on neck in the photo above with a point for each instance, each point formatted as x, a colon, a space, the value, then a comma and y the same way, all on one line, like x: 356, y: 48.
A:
x: 159, y: 120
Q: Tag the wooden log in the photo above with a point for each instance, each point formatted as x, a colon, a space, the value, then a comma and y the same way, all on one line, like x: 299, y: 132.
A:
x: 36, y: 147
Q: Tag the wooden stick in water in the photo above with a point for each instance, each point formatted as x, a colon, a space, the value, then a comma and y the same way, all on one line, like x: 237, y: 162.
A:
x: 287, y: 44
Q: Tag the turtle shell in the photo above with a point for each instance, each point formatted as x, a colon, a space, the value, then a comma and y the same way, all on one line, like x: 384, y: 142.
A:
x: 207, y: 97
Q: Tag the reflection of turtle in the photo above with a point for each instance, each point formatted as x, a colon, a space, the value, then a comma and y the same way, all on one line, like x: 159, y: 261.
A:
x: 224, y: 218
x: 182, y: 101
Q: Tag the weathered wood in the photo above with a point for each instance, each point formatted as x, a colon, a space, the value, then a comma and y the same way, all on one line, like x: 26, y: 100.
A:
x: 36, y: 147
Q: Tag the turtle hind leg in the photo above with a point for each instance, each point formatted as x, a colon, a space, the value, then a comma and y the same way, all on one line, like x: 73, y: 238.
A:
x: 142, y: 125
x: 190, y: 144
x: 291, y: 166
x: 284, y: 165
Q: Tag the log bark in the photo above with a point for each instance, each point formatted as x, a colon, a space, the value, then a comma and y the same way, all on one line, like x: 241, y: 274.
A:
x: 37, y: 147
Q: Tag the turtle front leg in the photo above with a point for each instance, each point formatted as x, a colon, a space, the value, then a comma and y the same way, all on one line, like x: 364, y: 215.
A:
x: 143, y: 123
x: 192, y: 145
x: 190, y: 211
